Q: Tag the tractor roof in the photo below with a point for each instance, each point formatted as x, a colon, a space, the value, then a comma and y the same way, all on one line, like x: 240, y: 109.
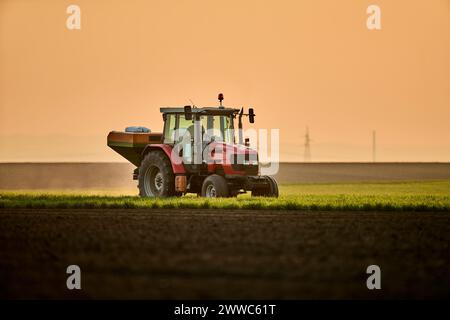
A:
x: 205, y: 110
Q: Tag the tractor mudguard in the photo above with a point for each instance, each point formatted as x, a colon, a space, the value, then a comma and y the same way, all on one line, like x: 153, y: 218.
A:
x: 175, y: 160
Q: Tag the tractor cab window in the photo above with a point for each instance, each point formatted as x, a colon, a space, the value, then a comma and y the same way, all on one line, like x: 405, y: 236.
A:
x: 219, y: 128
x: 215, y: 127
x: 169, y: 128
x: 184, y: 126
x: 176, y: 127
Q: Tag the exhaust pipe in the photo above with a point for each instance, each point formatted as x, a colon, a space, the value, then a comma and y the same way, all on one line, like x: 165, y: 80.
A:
x: 241, y: 134
x: 197, y: 141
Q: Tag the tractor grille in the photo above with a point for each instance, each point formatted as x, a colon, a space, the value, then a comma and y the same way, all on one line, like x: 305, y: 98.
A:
x: 249, y: 169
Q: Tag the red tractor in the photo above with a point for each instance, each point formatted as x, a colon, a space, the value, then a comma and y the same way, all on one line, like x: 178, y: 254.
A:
x: 196, y: 153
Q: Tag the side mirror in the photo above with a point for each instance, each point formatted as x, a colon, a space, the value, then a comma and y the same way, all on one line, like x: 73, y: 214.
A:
x: 251, y: 115
x: 188, y: 112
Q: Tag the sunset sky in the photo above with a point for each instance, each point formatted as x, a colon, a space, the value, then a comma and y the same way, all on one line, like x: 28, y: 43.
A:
x: 297, y: 62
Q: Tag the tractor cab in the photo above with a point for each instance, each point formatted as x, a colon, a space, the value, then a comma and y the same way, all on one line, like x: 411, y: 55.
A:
x: 207, y: 135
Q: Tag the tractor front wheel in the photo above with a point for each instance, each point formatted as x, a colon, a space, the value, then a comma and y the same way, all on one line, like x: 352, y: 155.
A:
x: 271, y: 190
x: 215, y: 186
x: 156, y: 178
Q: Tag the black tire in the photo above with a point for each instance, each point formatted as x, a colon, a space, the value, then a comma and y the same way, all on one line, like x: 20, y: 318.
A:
x: 215, y: 186
x: 156, y: 178
x: 270, y: 191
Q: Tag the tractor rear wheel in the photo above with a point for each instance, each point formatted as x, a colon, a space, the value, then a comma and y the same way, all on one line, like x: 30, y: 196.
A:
x: 271, y: 190
x: 215, y: 186
x: 156, y: 178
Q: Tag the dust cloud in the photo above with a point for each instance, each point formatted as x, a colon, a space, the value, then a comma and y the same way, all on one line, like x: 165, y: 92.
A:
x: 90, y: 176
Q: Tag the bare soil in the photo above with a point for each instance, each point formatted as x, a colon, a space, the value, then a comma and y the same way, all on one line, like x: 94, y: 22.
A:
x: 189, y: 254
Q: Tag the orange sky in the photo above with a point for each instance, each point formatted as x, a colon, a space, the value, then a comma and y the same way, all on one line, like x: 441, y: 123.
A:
x: 299, y: 63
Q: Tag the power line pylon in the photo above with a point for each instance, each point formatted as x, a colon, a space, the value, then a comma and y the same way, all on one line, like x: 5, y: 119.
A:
x: 374, y: 146
x: 307, y: 155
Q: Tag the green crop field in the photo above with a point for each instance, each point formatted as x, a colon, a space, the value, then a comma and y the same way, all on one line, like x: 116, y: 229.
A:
x: 393, y: 196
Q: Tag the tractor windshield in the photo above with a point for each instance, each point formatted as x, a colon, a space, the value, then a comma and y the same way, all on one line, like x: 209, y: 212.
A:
x: 219, y: 128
